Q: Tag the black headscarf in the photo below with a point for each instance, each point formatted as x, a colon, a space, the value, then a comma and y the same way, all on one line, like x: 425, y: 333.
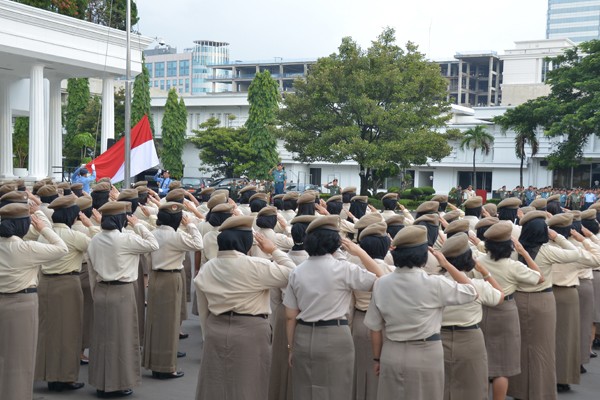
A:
x: 346, y: 197
x: 48, y: 199
x: 475, y: 211
x: 134, y: 204
x: 142, y: 198
x: 112, y: 222
x: 290, y: 204
x: 169, y: 219
x: 66, y: 191
x: 335, y: 207
x: 533, y: 235
x: 235, y: 239
x: 245, y: 197
x: 481, y: 231
x: 87, y: 212
x: 358, y: 209
x: 566, y: 231
x: 389, y: 204
x: 78, y: 192
x: 507, y: 214
x: 217, y: 218
x: 67, y: 215
x: 99, y: 199
x: 577, y: 226
x: 266, y: 221
x: 591, y: 225
x: 306, y: 209
x: 432, y: 232
x: 278, y: 203
x: 443, y: 206
x: 257, y: 204
x: 392, y: 230
x: 376, y: 246
x: 298, y: 235
x: 14, y: 227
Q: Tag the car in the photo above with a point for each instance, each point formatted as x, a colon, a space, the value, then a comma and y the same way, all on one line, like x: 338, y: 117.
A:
x: 194, y: 185
x: 227, y: 183
x: 295, y: 187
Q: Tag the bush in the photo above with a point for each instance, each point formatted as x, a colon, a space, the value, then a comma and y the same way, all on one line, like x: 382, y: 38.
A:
x: 394, y: 189
x: 493, y: 201
x: 416, y: 192
x: 375, y: 203
x: 406, y: 194
x: 428, y: 190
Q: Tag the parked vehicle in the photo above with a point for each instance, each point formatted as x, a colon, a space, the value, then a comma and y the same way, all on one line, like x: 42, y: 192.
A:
x: 227, y: 183
x: 295, y: 187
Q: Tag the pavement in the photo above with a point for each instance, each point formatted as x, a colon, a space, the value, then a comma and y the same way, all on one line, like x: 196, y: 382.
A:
x: 185, y: 388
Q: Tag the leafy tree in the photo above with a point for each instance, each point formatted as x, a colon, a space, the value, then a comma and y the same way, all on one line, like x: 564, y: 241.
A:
x: 173, y: 134
x: 224, y: 149
x: 21, y: 142
x: 86, y: 142
x: 377, y: 106
x: 263, y: 96
x: 140, y: 104
x: 78, y: 99
x: 72, y: 8
x: 477, y: 138
x: 100, y: 12
x: 120, y: 112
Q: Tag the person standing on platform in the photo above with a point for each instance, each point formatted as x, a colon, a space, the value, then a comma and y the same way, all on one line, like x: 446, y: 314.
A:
x: 279, y: 177
x: 81, y: 175
x: 163, y: 180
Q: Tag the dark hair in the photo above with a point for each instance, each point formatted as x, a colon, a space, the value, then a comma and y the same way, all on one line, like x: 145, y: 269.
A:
x: 476, y: 212
x: 257, y: 204
x: 299, y: 235
x: 553, y: 208
x: 591, y: 225
x: 507, y: 214
x: 463, y: 262
x: 499, y: 250
x: 410, y: 257
x: 389, y: 204
x: 392, y: 230
x: 83, y: 171
x: 481, y: 231
x: 244, y: 198
x: 376, y: 246
x: 278, y: 203
x: 533, y: 235
x: 335, y: 207
x: 347, y: 196
x: 306, y: 209
x: 577, y: 226
x: 321, y: 242
x: 358, y: 208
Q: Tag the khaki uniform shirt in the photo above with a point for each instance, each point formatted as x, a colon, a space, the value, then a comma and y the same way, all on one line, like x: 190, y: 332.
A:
x: 386, y: 214
x: 76, y: 242
x: 408, y: 303
x: 288, y: 215
x: 173, y: 244
x: 567, y: 274
x: 473, y: 220
x: 362, y: 299
x: 282, y: 242
x: 20, y: 260
x: 509, y: 273
x: 471, y: 313
x: 244, y: 208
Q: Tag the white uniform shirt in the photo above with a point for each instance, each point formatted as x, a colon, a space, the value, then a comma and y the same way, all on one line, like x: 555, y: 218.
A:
x: 471, y: 313
x: 173, y: 245
x: 76, y: 242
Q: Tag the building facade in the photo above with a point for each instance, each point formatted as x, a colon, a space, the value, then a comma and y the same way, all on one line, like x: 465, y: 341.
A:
x: 577, y: 20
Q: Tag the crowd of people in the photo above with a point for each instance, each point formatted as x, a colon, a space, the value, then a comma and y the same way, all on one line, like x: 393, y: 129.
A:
x: 301, y: 299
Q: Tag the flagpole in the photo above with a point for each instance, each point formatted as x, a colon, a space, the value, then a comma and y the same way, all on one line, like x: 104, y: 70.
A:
x: 127, y: 133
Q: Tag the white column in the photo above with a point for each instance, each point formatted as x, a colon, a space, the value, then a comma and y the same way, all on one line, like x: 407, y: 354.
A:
x: 55, y: 144
x: 37, y: 122
x: 108, y: 112
x: 6, y: 143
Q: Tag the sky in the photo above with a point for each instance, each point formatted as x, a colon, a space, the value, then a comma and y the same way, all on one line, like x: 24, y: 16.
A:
x: 265, y: 29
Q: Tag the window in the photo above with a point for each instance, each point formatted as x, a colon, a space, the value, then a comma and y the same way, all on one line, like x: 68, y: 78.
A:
x: 168, y: 84
x: 171, y: 68
x: 181, y: 82
x: 149, y: 67
x: 159, y: 70
x: 184, y: 67
x: 156, y: 83
x: 187, y: 85
x: 162, y: 84
x: 484, y: 180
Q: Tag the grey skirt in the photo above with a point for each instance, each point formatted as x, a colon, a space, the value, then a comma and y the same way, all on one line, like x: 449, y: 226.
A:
x: 280, y: 382
x: 465, y: 365
x: 596, y: 282
x: 365, y: 380
x: 500, y: 326
x: 88, y: 307
x: 568, y: 353
x: 586, y: 317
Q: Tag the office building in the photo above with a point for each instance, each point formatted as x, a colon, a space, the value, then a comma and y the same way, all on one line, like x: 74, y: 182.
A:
x: 577, y: 20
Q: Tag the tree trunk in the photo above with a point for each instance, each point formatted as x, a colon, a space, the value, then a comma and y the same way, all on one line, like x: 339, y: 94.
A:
x: 474, y: 172
x: 364, y: 181
x: 521, y: 172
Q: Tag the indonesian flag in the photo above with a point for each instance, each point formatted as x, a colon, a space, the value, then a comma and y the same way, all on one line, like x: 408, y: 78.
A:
x: 111, y: 163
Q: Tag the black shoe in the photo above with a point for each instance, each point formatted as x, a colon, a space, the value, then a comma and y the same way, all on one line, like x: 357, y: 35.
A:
x: 183, y: 335
x: 593, y: 354
x: 167, y: 375
x: 84, y: 361
x: 60, y: 386
x: 111, y: 395
x: 582, y: 370
x: 180, y: 354
x: 561, y: 387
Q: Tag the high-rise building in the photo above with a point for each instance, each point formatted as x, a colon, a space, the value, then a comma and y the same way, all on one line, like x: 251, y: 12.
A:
x: 577, y: 20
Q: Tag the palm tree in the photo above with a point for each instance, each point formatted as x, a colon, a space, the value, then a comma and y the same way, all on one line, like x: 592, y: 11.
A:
x: 477, y: 138
x: 521, y: 140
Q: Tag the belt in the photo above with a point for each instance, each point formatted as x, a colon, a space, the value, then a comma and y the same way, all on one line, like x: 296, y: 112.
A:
x: 432, y: 338
x: 115, y: 282
x: 547, y: 290
x: 66, y: 273
x: 331, y: 322
x: 167, y: 270
x: 234, y: 314
x: 459, y: 328
x: 28, y: 290
x: 509, y: 297
x: 363, y: 311
x: 568, y: 287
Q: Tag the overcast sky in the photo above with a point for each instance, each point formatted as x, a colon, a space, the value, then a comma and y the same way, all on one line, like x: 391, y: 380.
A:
x: 264, y: 29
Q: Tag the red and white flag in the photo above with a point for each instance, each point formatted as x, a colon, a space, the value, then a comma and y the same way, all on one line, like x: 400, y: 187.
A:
x: 111, y: 163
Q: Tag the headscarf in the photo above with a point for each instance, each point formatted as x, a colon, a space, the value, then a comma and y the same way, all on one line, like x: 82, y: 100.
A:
x: 142, y: 198
x: 14, y: 227
x: 346, y: 197
x: 112, y: 222
x: 278, y: 203
x: 577, y: 226
x: 358, y: 209
x: 266, y: 221
x: 335, y: 207
x: 48, y: 199
x: 376, y: 246
x: 134, y: 204
x: 217, y: 218
x: 245, y: 197
x: 533, y: 235
x: 78, y: 192
x: 481, y: 231
x: 591, y: 225
x: 306, y: 209
x: 99, y: 199
x: 169, y: 219
x: 392, y: 230
x: 235, y: 239
x: 389, y: 203
x: 432, y: 232
x: 257, y: 204
x: 87, y: 212
x: 565, y: 231
x: 507, y: 214
x: 290, y: 204
x: 67, y: 215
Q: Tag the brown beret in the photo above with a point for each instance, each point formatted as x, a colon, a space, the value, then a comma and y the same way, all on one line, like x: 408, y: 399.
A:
x: 576, y: 215
x: 432, y: 219
x: 171, y: 207
x: 102, y: 187
x: 291, y: 196
x: 213, y: 201
x: 105, y: 180
x: 456, y: 245
x: 440, y: 198
x: 62, y: 202
x: 174, y: 185
x: 473, y: 202
x: 452, y: 215
x: 589, y: 214
x: 306, y: 198
x: 20, y: 182
x: 268, y: 210
x: 487, y: 221
x: 378, y: 229
x: 142, y: 189
x: 397, y: 219
x: 84, y: 202
x: 554, y: 197
x: 349, y: 189
x: 335, y: 199
x: 77, y: 186
x: 428, y: 207
x: 538, y: 204
x: 14, y: 210
x: 329, y: 222
x: 360, y: 199
x: 207, y: 190
x: 9, y: 187
x: 561, y: 220
x: 220, y: 191
x: 532, y: 215
x: 264, y: 197
x: 37, y: 185
x: 128, y: 194
x: 303, y: 219
x: 239, y: 222
x: 15, y: 197
x: 279, y: 196
x: 527, y: 209
x: 115, y: 208
x: 246, y: 188
x: 499, y: 232
x: 510, y: 202
x: 47, y: 190
x: 461, y: 225
x: 140, y: 183
x: 64, y: 185
x: 391, y: 195
x: 222, y: 208
x: 48, y: 181
x: 176, y: 195
x: 368, y: 219
x: 411, y: 236
x: 491, y: 209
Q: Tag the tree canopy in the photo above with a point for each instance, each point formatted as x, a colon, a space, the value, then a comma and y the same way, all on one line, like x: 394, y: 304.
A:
x: 140, y: 105
x: 379, y: 106
x: 477, y: 138
x: 174, y: 125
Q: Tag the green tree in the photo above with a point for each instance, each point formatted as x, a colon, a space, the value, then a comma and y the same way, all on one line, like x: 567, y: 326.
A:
x: 173, y: 135
x: 120, y: 112
x: 21, y: 142
x: 86, y: 143
x: 263, y: 96
x: 72, y: 8
x: 477, y: 138
x: 78, y: 103
x: 524, y: 121
x: 111, y: 13
x: 140, y: 104
x: 224, y: 150
x: 377, y: 106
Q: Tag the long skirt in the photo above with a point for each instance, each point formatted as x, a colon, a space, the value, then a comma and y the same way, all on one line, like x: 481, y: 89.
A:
x: 323, y: 363
x: 115, y: 350
x: 465, y: 365
x: 411, y: 370
x: 500, y: 326
x: 183, y: 313
x: 60, y: 328
x: 18, y: 339
x: 537, y: 318
x: 162, y: 322
x: 88, y: 307
x: 140, y: 298
x: 235, y: 358
x: 280, y: 381
x: 568, y: 353
x: 586, y: 317
x: 187, y: 269
x: 596, y: 282
x: 365, y: 380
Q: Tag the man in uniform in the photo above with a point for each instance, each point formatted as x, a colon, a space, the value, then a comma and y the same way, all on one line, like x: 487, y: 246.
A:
x: 279, y: 177
x: 334, y: 188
